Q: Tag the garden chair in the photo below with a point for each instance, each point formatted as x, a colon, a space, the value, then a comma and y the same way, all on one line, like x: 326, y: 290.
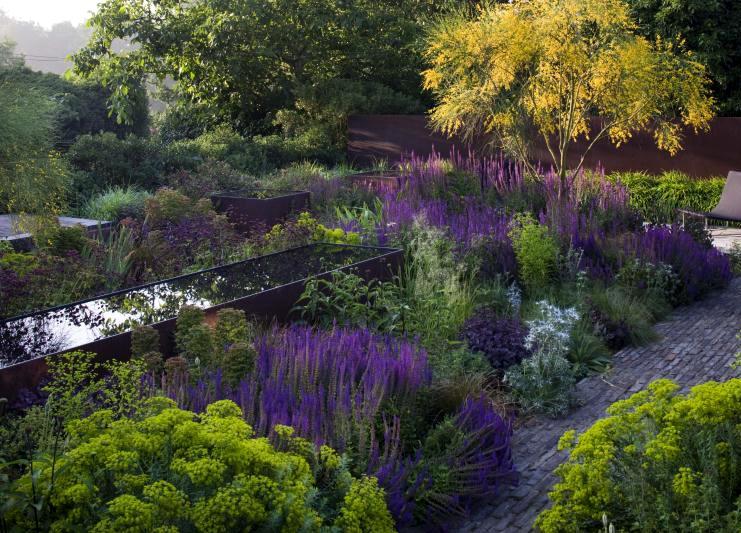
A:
x: 729, y: 206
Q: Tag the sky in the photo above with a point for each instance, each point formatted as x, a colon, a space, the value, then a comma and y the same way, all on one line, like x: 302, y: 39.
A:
x: 49, y: 12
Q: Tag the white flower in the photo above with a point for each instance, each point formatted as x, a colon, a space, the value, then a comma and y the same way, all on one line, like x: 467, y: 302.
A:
x: 552, y: 332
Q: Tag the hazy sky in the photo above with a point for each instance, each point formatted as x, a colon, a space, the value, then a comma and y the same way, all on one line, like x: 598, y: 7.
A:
x: 49, y: 12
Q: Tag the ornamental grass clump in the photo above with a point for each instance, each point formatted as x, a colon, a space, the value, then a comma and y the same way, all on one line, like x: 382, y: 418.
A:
x: 466, y: 458
x: 173, y: 470
x: 660, y: 461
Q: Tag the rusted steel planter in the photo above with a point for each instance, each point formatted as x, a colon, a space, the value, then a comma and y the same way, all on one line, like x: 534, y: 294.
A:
x: 386, y: 181
x: 262, y: 208
x: 246, y: 285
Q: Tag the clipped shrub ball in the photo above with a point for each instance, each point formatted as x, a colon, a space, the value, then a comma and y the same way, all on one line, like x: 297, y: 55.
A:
x: 177, y: 471
x: 501, y: 340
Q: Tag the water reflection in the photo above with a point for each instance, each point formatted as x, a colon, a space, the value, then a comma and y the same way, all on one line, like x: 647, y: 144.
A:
x: 77, y: 324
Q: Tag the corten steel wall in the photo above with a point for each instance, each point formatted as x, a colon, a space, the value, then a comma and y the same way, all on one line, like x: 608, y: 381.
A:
x: 373, y: 137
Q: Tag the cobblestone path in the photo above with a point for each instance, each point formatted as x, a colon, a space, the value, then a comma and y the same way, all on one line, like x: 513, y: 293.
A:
x: 698, y: 343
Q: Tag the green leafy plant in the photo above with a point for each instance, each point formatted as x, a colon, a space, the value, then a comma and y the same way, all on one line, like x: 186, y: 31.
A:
x: 59, y: 240
x: 660, y: 461
x: 173, y: 469
x: 144, y: 339
x: 350, y: 300
x: 367, y: 217
x: 536, y: 251
x: 639, y: 277
x: 228, y: 345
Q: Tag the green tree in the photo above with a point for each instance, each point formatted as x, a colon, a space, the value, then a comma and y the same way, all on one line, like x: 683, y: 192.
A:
x: 246, y: 59
x: 548, y: 68
x: 710, y: 28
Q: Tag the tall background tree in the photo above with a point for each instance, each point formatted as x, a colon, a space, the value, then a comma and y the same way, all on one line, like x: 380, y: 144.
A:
x: 710, y: 28
x: 561, y: 71
x: 242, y: 61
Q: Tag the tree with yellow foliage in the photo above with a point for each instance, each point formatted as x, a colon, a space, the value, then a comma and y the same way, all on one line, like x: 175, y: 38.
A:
x: 549, y: 67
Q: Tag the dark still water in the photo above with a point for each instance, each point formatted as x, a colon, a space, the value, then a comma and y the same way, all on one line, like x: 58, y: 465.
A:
x: 79, y: 323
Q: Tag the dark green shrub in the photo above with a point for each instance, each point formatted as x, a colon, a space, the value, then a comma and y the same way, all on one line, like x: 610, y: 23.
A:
x: 154, y: 363
x: 144, y: 339
x: 197, y: 345
x: 60, y: 240
x: 114, y: 162
x: 189, y: 318
x: 176, y: 368
x: 318, y: 121
x: 168, y: 205
x: 232, y: 327
x: 210, y: 176
x: 222, y: 144
x: 237, y: 361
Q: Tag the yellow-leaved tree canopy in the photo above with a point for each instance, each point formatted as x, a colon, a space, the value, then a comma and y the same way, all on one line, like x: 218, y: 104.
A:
x: 550, y: 67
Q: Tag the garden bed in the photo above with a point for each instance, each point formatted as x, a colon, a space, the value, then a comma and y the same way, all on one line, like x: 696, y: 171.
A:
x: 23, y: 241
x: 259, y: 207
x: 266, y: 287
x: 377, y: 181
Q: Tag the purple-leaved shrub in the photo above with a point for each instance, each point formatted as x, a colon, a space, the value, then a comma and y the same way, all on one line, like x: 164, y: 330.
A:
x: 500, y: 339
